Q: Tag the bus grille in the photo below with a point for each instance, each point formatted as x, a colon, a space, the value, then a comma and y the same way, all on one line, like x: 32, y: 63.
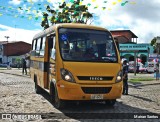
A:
x: 96, y: 90
x: 95, y: 78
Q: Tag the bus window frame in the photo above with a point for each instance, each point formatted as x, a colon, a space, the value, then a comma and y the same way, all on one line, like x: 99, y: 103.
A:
x: 42, y: 39
x: 33, y: 44
x: 114, y: 45
x: 54, y: 47
x: 38, y: 50
x: 52, y: 36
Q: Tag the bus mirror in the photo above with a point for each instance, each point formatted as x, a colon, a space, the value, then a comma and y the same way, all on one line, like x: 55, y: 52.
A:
x: 50, y: 42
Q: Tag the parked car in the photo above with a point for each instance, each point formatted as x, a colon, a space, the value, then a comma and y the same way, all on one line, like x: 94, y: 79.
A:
x: 139, y: 68
x: 151, y: 68
x: 3, y: 65
x: 131, y: 68
x: 142, y: 69
x: 16, y: 65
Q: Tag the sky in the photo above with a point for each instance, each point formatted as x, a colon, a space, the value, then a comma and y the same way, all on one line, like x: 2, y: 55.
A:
x: 21, y: 19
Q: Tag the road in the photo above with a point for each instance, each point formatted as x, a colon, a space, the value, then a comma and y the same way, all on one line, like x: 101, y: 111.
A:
x: 17, y: 95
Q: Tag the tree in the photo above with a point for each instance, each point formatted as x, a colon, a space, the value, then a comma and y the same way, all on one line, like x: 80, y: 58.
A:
x: 154, y: 44
x: 76, y: 13
x: 45, y: 23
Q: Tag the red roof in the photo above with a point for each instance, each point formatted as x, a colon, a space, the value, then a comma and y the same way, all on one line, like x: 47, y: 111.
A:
x: 16, y: 48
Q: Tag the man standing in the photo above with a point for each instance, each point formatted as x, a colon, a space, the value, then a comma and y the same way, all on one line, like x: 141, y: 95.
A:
x: 24, y: 66
x: 125, y: 77
x: 157, y: 71
x: 8, y: 65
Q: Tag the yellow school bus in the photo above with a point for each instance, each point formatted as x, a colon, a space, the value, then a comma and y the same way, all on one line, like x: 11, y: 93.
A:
x: 76, y: 62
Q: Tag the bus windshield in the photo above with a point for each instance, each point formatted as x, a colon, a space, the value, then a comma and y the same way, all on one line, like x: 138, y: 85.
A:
x: 86, y: 45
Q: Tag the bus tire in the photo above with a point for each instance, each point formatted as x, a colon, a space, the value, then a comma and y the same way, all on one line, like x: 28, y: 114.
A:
x: 110, y: 102
x: 58, y: 103
x: 52, y: 92
x: 38, y: 90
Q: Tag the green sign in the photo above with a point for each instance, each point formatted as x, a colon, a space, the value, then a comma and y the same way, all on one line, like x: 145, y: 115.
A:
x: 134, y: 47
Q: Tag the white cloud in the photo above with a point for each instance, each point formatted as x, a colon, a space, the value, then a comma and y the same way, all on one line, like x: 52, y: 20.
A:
x: 15, y: 2
x: 32, y: 12
x: 34, y: 1
x: 141, y: 18
x: 17, y: 34
x: 145, y: 30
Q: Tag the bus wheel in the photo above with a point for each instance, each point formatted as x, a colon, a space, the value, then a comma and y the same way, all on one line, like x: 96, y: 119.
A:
x: 52, y: 92
x: 110, y: 102
x: 38, y: 90
x: 58, y: 103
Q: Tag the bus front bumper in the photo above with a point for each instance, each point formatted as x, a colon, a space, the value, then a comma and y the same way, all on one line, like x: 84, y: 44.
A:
x: 73, y: 91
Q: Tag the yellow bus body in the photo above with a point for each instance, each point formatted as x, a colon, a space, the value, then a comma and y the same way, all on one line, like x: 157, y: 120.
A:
x: 73, y: 91
x: 87, y: 75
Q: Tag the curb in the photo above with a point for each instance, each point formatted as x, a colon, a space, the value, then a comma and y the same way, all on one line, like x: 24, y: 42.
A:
x: 15, y: 74
x: 139, y: 85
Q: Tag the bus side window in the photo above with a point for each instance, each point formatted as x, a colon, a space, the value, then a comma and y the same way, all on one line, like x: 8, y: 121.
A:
x: 33, y: 52
x: 42, y: 46
x: 38, y: 47
x: 33, y: 44
x: 53, y: 51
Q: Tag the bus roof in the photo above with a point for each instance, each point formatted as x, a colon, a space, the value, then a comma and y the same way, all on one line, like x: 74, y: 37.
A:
x: 52, y: 28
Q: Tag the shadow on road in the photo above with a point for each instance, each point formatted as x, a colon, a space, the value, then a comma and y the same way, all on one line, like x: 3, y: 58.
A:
x: 145, y: 99
x: 96, y: 110
x: 140, y: 85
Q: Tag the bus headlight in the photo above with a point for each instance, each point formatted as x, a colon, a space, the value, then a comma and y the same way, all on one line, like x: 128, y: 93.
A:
x: 119, y: 77
x: 67, y: 76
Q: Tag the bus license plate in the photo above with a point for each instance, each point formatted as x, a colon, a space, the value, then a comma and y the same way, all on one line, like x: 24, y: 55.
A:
x: 96, y: 96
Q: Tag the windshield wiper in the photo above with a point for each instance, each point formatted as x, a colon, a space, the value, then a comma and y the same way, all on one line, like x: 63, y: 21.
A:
x: 108, y: 59
x: 99, y: 60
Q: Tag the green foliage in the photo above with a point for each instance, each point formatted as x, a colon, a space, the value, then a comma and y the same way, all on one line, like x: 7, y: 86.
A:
x: 76, y: 13
x: 44, y: 22
x: 18, y: 59
x: 141, y: 79
x: 154, y: 44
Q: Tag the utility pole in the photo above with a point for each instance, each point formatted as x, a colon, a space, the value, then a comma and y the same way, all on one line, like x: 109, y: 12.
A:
x: 15, y: 31
x: 7, y: 47
x: 135, y: 67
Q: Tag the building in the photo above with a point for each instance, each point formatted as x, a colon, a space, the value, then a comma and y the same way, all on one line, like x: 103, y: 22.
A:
x: 11, y: 51
x: 129, y: 48
x: 124, y: 36
x: 141, y: 51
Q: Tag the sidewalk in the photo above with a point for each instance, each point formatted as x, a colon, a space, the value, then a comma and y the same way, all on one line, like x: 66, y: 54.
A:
x: 142, y: 83
x: 14, y: 71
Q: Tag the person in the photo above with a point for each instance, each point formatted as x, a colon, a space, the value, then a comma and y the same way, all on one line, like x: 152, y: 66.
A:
x: 125, y: 77
x: 24, y: 66
x: 89, y: 53
x: 157, y: 71
x: 8, y: 65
